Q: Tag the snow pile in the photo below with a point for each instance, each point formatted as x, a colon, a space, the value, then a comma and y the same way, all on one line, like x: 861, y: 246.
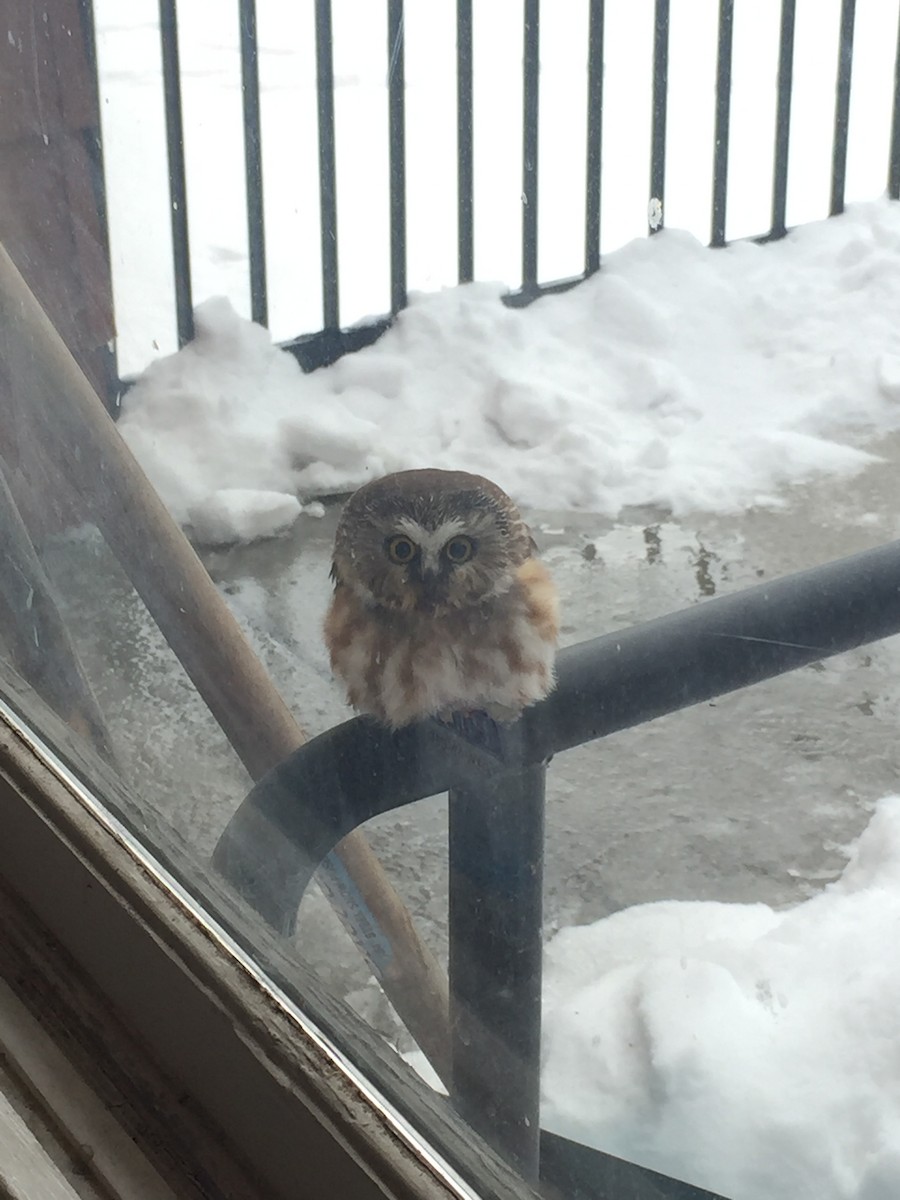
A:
x: 751, y: 1052
x: 679, y: 376
x: 205, y: 425
x: 240, y: 514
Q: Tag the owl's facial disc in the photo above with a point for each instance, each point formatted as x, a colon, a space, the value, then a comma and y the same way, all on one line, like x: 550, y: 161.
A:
x: 430, y: 542
x: 431, y: 557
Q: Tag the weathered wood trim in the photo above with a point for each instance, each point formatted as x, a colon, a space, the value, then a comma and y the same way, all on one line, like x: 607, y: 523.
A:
x: 219, y: 1078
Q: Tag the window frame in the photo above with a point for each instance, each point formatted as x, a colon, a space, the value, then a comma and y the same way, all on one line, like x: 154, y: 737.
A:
x: 276, y: 1091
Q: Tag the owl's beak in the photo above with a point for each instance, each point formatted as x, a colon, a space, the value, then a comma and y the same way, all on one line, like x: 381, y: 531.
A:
x: 430, y: 583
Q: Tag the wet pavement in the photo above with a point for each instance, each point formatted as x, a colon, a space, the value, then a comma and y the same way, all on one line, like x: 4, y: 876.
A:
x: 751, y: 798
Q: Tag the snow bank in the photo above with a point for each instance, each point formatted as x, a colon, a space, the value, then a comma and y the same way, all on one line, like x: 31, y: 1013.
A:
x: 240, y: 514
x: 751, y: 1052
x: 680, y: 376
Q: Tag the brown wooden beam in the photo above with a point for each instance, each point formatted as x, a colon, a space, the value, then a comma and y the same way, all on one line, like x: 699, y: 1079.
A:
x: 82, y: 444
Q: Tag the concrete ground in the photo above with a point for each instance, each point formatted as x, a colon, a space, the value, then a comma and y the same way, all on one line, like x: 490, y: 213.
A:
x: 752, y: 798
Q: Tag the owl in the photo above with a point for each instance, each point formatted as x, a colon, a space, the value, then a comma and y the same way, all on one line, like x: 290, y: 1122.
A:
x: 440, y: 605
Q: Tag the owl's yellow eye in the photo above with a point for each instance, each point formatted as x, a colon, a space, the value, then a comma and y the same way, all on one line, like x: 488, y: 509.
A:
x: 459, y: 550
x: 401, y: 550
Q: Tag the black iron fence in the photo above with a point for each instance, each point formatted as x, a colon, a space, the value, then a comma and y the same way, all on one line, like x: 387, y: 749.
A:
x: 315, y: 348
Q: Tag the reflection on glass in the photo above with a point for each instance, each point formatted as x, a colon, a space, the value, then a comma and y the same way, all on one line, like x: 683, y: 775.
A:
x: 661, y: 975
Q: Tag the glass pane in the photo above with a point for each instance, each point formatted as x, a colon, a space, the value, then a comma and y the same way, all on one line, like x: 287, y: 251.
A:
x: 662, y: 977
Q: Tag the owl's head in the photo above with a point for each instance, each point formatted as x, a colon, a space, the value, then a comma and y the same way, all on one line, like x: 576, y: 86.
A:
x: 429, y: 541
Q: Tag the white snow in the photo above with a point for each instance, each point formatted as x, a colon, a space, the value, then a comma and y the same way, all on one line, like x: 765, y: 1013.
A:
x: 243, y: 515
x: 679, y: 376
x: 752, y: 1052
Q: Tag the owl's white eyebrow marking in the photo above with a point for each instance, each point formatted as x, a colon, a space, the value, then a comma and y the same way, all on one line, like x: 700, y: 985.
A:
x: 430, y: 541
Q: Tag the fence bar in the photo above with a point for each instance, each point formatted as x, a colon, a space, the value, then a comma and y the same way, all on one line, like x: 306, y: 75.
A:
x: 594, y: 138
x: 656, y: 211
x: 397, y: 151
x: 464, y: 143
x: 783, y: 118
x: 723, y: 118
x: 327, y: 175
x: 256, y: 237
x: 842, y: 107
x: 894, y: 164
x: 181, y: 255
x: 531, y: 73
x: 496, y: 849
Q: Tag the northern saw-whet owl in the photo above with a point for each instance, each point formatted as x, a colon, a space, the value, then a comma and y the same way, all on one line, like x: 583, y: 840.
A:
x: 440, y: 604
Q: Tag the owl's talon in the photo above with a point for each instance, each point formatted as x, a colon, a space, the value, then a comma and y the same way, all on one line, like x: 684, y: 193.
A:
x: 477, y: 727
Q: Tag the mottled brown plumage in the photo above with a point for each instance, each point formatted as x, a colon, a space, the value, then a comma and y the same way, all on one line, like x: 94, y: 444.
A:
x: 440, y: 604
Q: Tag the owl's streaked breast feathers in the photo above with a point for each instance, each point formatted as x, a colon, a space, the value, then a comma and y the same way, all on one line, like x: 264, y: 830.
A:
x: 440, y: 604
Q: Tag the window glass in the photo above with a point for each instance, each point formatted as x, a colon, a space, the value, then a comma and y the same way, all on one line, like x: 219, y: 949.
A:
x: 658, y: 974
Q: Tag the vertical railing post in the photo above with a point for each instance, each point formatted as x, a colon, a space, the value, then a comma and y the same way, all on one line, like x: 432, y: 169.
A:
x: 256, y: 238
x: 723, y: 121
x: 530, y: 87
x: 465, y: 176
x: 397, y: 152
x: 327, y: 173
x: 496, y: 907
x: 181, y: 255
x: 783, y: 118
x: 842, y: 107
x: 656, y: 206
x: 594, y: 139
x: 894, y: 162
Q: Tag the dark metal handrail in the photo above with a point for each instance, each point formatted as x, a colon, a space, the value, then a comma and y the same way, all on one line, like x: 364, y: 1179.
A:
x: 360, y: 769
x: 296, y: 815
